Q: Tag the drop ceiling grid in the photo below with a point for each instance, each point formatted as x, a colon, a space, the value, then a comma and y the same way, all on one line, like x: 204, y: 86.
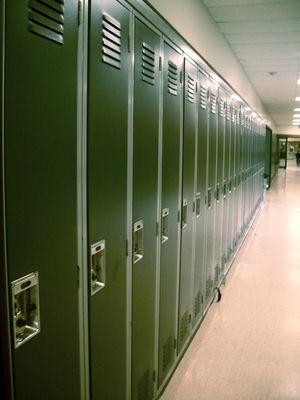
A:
x: 265, y: 37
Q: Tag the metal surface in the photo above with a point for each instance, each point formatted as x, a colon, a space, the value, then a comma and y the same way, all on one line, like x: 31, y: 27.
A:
x: 109, y: 59
x: 145, y: 186
x: 40, y: 194
x: 26, y: 308
x: 188, y: 196
x: 172, y: 97
x: 211, y: 191
x: 201, y: 212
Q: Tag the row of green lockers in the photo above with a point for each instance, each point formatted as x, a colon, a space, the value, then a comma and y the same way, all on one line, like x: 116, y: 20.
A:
x: 149, y: 201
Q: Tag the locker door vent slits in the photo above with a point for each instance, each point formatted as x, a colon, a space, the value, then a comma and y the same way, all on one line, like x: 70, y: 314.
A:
x: 197, y: 304
x: 168, y: 348
x: 221, y: 108
x: 144, y: 386
x: 184, y: 325
x: 228, y: 112
x: 213, y: 102
x: 111, y: 41
x: 203, y: 97
x: 191, y: 89
x: 46, y: 19
x: 172, y: 78
x: 148, y: 64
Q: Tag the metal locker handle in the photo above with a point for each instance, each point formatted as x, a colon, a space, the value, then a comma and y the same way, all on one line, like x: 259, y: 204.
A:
x: 209, y: 198
x: 224, y: 189
x: 230, y: 185
x: 218, y: 193
x: 26, y: 308
x: 97, y: 266
x: 184, y: 214
x: 165, y: 225
x: 198, y: 204
x: 138, y: 244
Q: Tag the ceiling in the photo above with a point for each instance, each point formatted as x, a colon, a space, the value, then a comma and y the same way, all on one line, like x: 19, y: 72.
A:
x: 265, y: 37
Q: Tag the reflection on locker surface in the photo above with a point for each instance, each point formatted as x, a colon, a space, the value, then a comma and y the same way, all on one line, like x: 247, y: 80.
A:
x: 138, y: 177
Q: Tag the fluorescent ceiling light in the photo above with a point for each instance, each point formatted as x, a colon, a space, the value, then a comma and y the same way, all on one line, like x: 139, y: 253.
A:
x: 296, y: 109
x: 296, y: 116
x: 297, y: 98
x: 298, y: 81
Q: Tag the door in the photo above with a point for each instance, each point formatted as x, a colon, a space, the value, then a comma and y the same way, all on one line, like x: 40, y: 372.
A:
x: 107, y: 195
x: 211, y: 190
x: 144, y: 208
x: 40, y: 153
x: 200, y: 207
x: 170, y: 207
x: 188, y: 197
x: 219, y: 188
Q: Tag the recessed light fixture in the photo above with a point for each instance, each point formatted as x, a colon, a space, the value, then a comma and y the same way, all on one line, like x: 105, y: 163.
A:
x: 297, y: 98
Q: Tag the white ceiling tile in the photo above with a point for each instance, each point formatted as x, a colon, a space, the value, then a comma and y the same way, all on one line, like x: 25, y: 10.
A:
x: 277, y: 25
x: 283, y: 37
x: 265, y: 36
x: 273, y: 63
x: 268, y: 55
x: 214, y: 3
x: 264, y: 47
x: 287, y: 9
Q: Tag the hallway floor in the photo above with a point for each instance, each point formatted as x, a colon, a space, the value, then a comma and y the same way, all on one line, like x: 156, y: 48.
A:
x: 248, y: 347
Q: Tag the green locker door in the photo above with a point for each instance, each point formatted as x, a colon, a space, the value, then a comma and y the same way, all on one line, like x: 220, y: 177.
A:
x: 107, y: 195
x: 200, y: 207
x: 211, y: 193
x: 40, y: 152
x: 227, y: 190
x: 145, y: 178
x: 170, y: 206
x: 231, y: 187
x: 236, y: 177
x: 219, y: 187
x: 188, y: 195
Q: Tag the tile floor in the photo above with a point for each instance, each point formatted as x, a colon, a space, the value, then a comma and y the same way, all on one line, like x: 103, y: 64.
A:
x: 248, y: 347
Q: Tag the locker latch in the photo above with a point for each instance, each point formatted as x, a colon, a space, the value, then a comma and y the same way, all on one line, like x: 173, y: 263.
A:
x: 184, y: 214
x: 218, y: 193
x: 97, y: 266
x: 138, y: 246
x: 165, y: 225
x: 209, y: 198
x: 198, y: 204
x: 26, y: 310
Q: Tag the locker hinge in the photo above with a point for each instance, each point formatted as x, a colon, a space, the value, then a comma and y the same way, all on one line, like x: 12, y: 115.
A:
x: 175, y: 344
x: 196, y: 87
x: 178, y: 215
x: 160, y: 64
x: 180, y: 76
x: 194, y: 206
x: 157, y: 228
x: 190, y: 318
x: 202, y: 299
x: 154, y: 376
x: 79, y: 11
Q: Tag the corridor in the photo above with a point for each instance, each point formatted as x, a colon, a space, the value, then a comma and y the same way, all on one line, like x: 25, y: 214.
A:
x: 248, y: 347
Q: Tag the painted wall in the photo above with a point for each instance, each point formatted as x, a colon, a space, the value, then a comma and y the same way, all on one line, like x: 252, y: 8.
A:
x: 288, y: 130
x: 193, y: 21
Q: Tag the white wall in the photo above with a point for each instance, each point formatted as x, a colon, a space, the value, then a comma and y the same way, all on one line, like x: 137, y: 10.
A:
x: 287, y: 130
x: 193, y: 21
